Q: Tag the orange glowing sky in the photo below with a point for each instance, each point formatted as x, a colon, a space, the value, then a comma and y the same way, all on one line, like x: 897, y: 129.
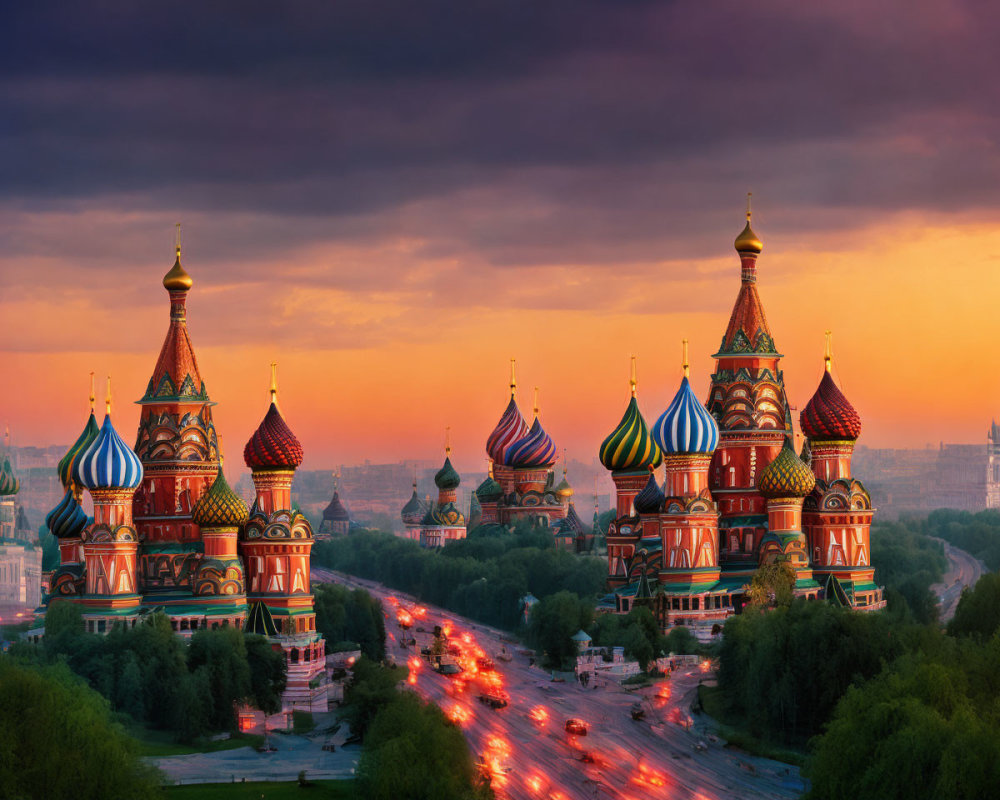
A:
x: 392, y: 202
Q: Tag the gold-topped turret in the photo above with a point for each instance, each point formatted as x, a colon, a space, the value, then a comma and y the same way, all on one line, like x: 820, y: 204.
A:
x: 828, y: 355
x: 513, y: 380
x: 685, y: 362
x: 107, y: 397
x: 177, y: 279
x: 748, y: 241
x: 631, y: 380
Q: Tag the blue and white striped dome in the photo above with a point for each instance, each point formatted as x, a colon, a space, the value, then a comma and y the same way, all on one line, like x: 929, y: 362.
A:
x: 686, y: 426
x: 108, y: 463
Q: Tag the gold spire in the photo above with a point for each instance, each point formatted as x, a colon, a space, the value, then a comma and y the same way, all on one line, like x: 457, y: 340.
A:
x: 828, y: 356
x: 685, y: 364
x: 748, y: 241
x: 447, y: 442
x: 107, y: 397
x: 536, y: 403
x: 274, y: 382
x: 489, y: 467
x: 93, y: 395
x: 177, y: 279
x: 631, y: 380
x: 513, y: 380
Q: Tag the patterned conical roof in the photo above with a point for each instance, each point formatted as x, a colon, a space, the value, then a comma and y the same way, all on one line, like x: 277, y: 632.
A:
x: 220, y: 506
x: 786, y: 476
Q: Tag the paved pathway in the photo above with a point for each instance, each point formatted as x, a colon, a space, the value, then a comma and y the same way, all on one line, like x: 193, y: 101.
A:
x: 964, y: 570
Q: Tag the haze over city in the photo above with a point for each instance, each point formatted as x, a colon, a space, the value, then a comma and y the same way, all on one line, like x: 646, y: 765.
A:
x: 392, y: 223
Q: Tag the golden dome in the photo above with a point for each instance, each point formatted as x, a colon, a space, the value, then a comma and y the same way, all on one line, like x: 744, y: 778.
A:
x: 177, y: 278
x: 747, y: 241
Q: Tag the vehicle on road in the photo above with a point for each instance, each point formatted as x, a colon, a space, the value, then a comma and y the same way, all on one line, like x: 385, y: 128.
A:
x: 638, y: 712
x: 449, y: 669
x: 576, y: 726
x: 495, y: 700
x: 485, y: 664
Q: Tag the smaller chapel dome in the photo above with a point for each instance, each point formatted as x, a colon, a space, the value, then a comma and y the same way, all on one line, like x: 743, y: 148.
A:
x: 447, y: 477
x: 489, y: 490
x: 67, y: 520
x: 220, y: 506
x: 534, y: 450
x: 66, y: 463
x: 414, y: 509
x: 650, y: 499
x: 9, y: 484
x: 786, y: 476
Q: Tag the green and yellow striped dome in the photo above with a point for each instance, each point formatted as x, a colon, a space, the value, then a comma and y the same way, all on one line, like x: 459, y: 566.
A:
x: 630, y: 446
x: 786, y: 476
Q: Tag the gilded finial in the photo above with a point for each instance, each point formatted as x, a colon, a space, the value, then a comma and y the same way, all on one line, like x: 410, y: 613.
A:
x: 748, y: 241
x: 93, y: 395
x: 828, y: 356
x: 631, y: 380
x: 684, y: 363
x: 447, y: 441
x: 536, y: 403
x: 274, y: 382
x: 489, y: 467
x: 564, y: 462
x: 107, y: 397
x: 177, y: 278
x: 513, y: 380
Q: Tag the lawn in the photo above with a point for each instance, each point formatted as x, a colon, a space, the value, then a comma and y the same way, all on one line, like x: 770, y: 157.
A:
x: 710, y: 698
x: 161, y: 743
x: 317, y: 790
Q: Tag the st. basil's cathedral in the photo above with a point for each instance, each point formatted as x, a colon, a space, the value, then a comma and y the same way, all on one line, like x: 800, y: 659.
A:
x: 169, y: 534
x: 734, y: 495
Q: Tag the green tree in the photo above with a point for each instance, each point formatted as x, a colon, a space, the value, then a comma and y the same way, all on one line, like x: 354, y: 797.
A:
x: 552, y: 623
x: 371, y: 687
x: 772, y: 585
x: 681, y: 641
x: 978, y: 611
x: 57, y: 740
x: 413, y: 751
x: 222, y: 655
x: 268, y: 674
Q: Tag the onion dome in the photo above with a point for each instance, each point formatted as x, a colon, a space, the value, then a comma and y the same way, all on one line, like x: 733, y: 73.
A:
x: 108, y: 463
x: 650, y: 499
x: 535, y: 450
x: 786, y: 476
x: 447, y: 477
x: 177, y: 278
x: 489, y: 490
x: 508, y: 430
x: 9, y: 484
x: 336, y: 511
x: 630, y: 447
x: 563, y: 489
x: 829, y: 416
x: 67, y: 519
x: 220, y: 506
x: 414, y: 509
x: 273, y: 445
x: 686, y: 426
x: 65, y: 466
x: 447, y: 514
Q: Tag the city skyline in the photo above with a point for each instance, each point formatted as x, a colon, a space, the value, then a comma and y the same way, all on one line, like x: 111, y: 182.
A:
x: 382, y: 223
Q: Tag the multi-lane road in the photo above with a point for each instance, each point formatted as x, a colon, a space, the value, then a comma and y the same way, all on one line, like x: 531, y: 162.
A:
x: 525, y: 746
x: 963, y: 570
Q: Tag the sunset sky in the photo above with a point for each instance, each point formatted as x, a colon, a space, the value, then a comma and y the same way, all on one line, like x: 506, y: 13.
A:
x: 391, y: 200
